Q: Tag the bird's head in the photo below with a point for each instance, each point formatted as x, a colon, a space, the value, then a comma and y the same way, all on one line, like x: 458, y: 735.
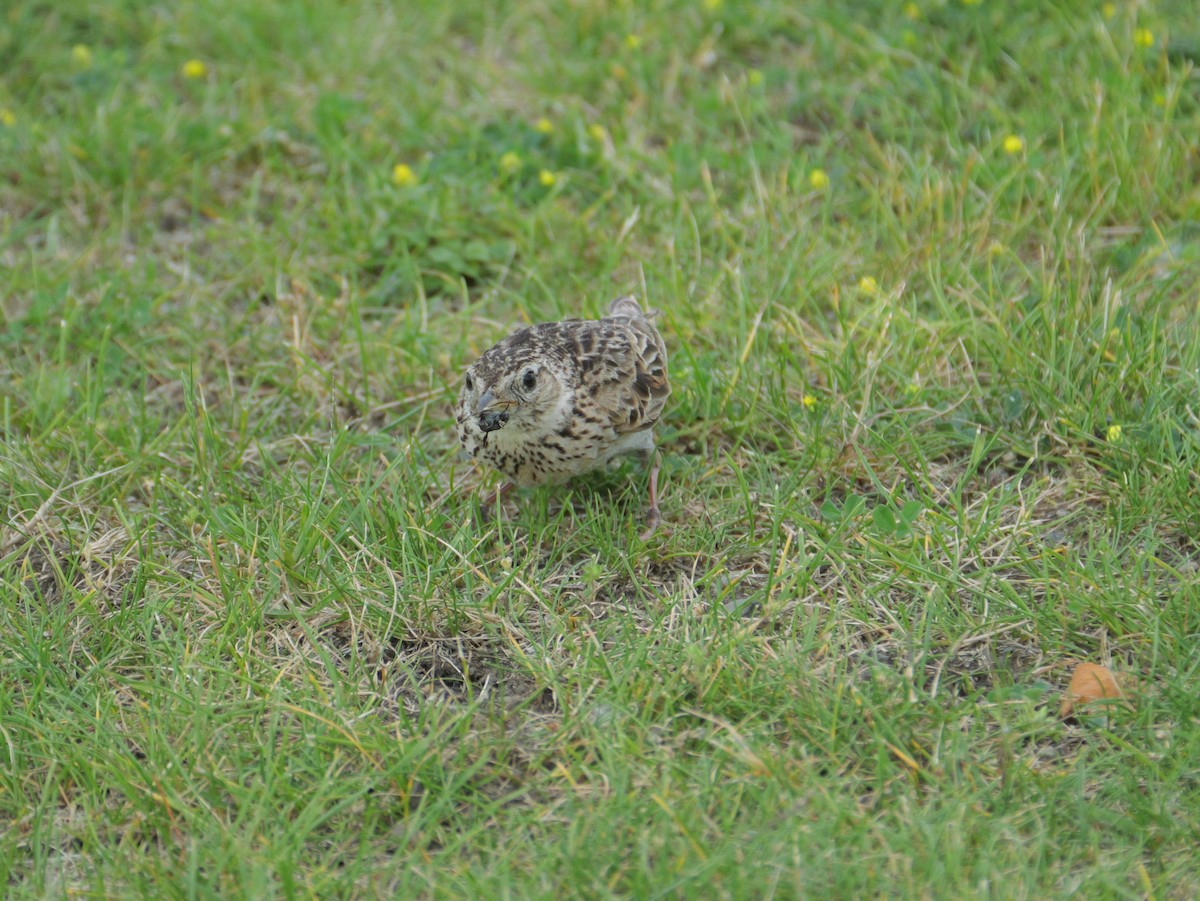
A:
x: 515, y: 392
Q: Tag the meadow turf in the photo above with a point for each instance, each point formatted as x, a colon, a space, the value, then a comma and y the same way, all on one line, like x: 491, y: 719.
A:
x: 928, y: 275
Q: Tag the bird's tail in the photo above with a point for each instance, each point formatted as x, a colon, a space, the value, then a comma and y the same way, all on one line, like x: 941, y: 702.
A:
x: 628, y: 308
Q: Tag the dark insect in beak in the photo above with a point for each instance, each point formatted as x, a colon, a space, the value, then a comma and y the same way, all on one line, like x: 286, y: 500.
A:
x: 490, y: 420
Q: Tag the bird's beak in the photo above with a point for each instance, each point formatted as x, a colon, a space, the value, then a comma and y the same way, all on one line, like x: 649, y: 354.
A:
x: 489, y: 401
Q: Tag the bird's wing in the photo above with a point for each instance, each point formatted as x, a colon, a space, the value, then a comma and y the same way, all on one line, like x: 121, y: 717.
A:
x: 623, y: 372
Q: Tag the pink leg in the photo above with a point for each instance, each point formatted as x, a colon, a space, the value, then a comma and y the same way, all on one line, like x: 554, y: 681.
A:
x: 653, y: 516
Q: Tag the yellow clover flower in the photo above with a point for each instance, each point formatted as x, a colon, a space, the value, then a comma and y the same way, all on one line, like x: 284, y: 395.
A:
x: 547, y: 178
x: 809, y: 401
x: 1143, y: 37
x: 194, y: 68
x: 7, y: 118
x: 81, y: 54
x: 818, y: 179
x: 510, y: 162
x: 868, y: 285
x: 1113, y: 434
x: 544, y: 125
x: 598, y: 132
x: 1013, y: 144
x: 403, y: 175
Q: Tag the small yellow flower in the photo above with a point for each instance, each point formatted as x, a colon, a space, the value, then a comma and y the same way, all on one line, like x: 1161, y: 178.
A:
x: 818, y: 179
x: 633, y: 41
x: 996, y: 249
x: 1108, y: 10
x: 868, y: 285
x: 544, y: 125
x: 912, y: 11
x: 912, y: 389
x: 403, y: 175
x: 712, y: 4
x: 809, y: 401
x: 754, y: 77
x: 597, y: 132
x: 1013, y: 144
x: 1143, y: 37
x: 7, y: 119
x: 81, y: 54
x: 1114, y: 434
x: 547, y: 178
x: 1160, y: 99
x: 194, y: 68
x: 510, y: 162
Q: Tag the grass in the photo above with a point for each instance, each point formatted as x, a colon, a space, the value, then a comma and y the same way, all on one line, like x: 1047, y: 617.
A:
x: 928, y: 276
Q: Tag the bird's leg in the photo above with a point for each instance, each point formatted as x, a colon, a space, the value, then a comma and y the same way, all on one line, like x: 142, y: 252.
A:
x: 653, y: 516
x: 494, y: 499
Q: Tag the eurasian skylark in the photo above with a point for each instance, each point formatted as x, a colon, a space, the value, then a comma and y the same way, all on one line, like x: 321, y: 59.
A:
x: 559, y: 399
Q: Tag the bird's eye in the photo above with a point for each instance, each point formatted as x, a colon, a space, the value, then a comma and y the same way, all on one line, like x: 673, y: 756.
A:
x: 469, y: 382
x: 529, y: 379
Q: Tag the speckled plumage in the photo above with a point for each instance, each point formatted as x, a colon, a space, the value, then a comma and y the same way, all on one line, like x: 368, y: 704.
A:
x: 559, y: 399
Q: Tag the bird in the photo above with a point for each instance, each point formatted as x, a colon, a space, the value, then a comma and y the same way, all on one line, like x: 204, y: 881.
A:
x: 559, y: 399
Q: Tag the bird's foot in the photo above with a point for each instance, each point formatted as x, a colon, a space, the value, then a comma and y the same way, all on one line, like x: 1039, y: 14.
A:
x: 653, y: 518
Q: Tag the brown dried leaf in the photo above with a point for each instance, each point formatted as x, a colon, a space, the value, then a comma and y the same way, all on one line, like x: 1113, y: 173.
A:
x: 1089, y: 683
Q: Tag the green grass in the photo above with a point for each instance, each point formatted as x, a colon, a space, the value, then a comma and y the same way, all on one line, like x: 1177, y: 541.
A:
x: 256, y: 639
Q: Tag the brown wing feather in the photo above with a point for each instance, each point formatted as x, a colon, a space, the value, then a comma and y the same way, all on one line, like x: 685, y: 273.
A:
x: 628, y: 380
